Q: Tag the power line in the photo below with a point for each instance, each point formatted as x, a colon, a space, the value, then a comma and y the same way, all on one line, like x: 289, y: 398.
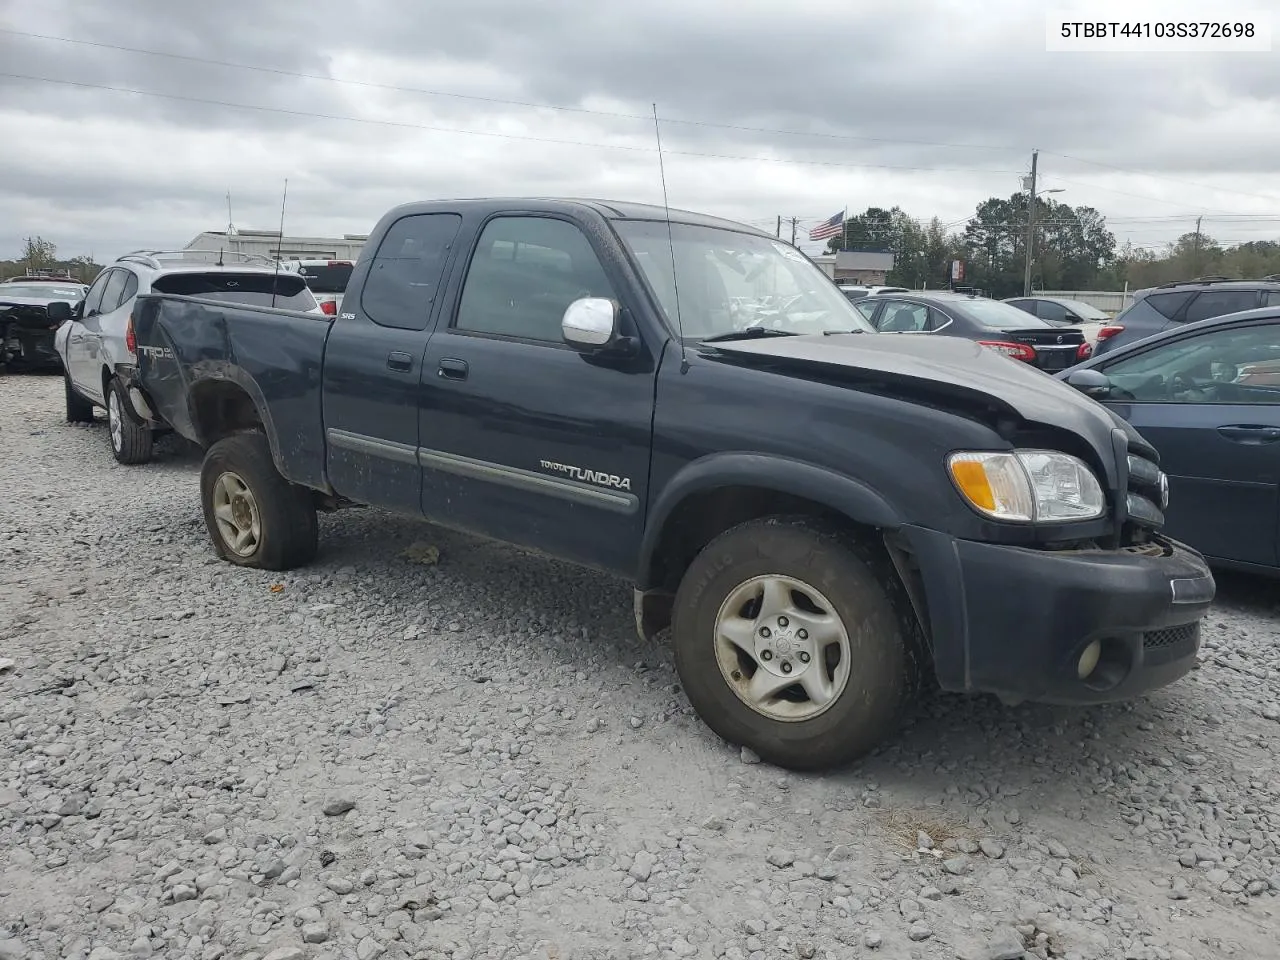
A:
x: 495, y: 100
x: 485, y: 133
x: 1161, y: 176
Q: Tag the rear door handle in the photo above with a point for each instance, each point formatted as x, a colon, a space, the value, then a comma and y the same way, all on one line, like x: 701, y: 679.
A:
x: 453, y: 369
x: 1249, y: 433
x: 399, y: 361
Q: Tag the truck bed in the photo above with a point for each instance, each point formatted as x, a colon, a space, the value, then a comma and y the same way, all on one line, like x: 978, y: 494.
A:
x: 188, y: 347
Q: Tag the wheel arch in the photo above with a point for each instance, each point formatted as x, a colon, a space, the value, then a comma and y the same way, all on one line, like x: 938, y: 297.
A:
x: 718, y: 492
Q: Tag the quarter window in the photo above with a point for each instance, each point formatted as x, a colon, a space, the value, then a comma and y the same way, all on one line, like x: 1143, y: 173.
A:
x: 405, y: 274
x: 1216, y: 303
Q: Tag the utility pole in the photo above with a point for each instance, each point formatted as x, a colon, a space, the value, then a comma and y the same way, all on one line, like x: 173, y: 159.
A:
x: 1031, y: 223
x: 779, y: 230
x: 1195, y: 250
x: 794, y: 221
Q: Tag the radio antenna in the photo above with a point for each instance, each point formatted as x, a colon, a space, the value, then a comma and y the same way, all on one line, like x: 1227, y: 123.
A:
x: 275, y: 279
x: 671, y: 243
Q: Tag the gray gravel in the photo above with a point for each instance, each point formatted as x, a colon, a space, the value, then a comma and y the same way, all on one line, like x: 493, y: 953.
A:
x: 386, y: 756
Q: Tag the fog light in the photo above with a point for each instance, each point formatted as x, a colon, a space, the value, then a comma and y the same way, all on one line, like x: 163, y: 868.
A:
x: 1089, y: 659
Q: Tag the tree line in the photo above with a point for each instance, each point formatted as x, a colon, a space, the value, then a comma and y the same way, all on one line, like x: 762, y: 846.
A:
x: 41, y: 255
x: 1073, y: 250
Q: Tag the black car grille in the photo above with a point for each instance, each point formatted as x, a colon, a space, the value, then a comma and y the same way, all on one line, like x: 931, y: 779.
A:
x: 1171, y: 636
x: 1146, y: 491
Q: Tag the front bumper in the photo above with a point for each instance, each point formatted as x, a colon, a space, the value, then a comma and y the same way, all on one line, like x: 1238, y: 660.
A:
x: 1015, y: 621
x: 27, y: 347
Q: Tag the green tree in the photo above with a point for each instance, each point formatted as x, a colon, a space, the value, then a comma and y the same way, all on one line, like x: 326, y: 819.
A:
x: 39, y: 253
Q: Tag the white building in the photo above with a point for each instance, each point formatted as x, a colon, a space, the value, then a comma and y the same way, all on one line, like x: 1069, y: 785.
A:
x: 269, y: 243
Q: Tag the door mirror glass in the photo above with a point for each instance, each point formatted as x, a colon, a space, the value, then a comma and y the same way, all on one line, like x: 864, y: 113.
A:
x: 59, y: 311
x: 1090, y: 382
x: 591, y: 323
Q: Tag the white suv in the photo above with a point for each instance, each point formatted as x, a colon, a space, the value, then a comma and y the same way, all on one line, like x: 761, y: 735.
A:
x: 97, y: 347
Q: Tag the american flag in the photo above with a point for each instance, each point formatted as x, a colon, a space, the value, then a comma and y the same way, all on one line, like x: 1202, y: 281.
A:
x: 828, y: 228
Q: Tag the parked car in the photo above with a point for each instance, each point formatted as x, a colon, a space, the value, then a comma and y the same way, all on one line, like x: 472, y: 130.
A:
x: 1095, y: 324
x: 1207, y: 394
x: 857, y: 291
x: 327, y: 279
x: 96, y: 340
x: 816, y: 517
x: 26, y: 327
x: 1172, y: 304
x: 991, y: 323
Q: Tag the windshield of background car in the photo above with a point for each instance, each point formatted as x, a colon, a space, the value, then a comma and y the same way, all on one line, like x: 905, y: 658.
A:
x: 42, y: 291
x: 730, y: 281
x: 252, y: 289
x: 327, y: 278
x: 1083, y: 310
x: 998, y: 316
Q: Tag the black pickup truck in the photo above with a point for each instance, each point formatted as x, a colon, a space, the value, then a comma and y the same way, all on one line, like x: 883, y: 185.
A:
x: 822, y: 514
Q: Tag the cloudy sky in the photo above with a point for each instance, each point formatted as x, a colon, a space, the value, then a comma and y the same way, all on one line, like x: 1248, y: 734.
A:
x: 125, y: 123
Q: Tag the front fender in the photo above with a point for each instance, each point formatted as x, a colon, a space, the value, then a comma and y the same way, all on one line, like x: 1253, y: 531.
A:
x: 843, y: 494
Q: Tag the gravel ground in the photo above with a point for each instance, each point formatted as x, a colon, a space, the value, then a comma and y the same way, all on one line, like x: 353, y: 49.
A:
x: 398, y: 754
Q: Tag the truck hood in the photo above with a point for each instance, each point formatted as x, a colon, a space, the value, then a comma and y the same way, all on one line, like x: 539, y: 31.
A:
x: 944, y: 367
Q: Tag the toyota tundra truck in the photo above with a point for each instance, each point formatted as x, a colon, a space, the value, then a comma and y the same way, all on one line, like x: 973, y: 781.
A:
x: 822, y: 515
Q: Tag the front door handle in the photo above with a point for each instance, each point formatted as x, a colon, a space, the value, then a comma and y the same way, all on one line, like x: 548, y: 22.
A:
x: 400, y: 361
x: 1254, y: 434
x: 453, y: 369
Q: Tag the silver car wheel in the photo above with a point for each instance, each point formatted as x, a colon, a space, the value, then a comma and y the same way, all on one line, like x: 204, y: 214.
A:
x: 782, y: 648
x: 236, y: 511
x: 114, y: 420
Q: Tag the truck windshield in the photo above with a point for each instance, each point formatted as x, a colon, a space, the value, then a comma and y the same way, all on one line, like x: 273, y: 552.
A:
x: 729, y: 281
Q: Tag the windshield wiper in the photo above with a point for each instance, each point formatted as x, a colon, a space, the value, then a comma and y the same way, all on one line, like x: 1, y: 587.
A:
x: 836, y: 333
x: 750, y: 333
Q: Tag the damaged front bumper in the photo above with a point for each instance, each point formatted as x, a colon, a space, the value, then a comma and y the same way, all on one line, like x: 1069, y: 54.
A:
x: 27, y: 339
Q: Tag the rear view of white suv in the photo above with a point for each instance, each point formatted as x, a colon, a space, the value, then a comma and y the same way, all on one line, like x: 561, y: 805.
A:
x: 97, y: 347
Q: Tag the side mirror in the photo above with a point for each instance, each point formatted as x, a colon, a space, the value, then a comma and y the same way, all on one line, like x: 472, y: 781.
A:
x: 1091, y: 382
x: 590, y: 323
x: 59, y: 311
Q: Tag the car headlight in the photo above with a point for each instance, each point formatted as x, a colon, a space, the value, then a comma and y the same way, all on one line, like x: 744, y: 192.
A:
x: 1028, y: 486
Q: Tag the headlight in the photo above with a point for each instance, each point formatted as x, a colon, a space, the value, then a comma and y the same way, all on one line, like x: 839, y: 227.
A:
x: 1028, y: 485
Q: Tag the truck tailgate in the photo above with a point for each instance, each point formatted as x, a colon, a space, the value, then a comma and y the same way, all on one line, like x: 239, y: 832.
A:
x: 188, y: 346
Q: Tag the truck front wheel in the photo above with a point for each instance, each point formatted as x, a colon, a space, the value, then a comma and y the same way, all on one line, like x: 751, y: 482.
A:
x: 795, y: 641
x: 255, y: 516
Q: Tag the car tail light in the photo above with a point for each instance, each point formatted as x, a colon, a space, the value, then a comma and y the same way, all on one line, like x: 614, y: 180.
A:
x: 1085, y: 351
x: 1018, y: 351
x: 1109, y: 331
x: 330, y: 307
x: 130, y: 338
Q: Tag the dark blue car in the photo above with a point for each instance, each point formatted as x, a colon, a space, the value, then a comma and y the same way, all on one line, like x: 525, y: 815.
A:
x: 1207, y: 395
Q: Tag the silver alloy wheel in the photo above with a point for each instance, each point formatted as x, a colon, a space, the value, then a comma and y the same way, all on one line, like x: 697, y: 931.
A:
x: 115, y: 423
x: 782, y: 648
x: 236, y: 511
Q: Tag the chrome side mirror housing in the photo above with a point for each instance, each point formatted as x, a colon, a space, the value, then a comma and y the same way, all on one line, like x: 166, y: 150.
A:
x: 590, y: 323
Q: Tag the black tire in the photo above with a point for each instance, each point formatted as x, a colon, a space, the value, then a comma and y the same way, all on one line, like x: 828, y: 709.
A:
x: 289, y: 534
x: 131, y: 442
x: 864, y: 591
x: 79, y: 410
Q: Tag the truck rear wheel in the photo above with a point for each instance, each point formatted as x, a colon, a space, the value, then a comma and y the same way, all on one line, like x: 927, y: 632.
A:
x: 255, y: 516
x: 795, y: 641
x: 131, y: 442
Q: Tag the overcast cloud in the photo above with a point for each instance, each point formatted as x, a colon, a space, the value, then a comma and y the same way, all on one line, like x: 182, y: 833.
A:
x: 929, y: 104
